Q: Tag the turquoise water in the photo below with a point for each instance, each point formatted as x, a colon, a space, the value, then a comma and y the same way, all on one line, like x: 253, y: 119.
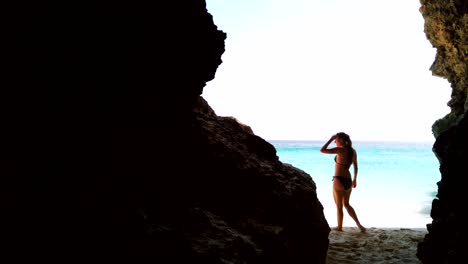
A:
x: 396, y: 181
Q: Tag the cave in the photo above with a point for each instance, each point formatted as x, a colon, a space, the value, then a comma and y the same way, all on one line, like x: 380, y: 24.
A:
x: 108, y: 150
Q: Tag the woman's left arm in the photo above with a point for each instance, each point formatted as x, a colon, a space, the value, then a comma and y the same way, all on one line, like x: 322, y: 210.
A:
x: 355, y: 166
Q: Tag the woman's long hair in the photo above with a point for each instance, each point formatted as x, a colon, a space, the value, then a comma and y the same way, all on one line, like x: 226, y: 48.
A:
x: 348, y: 145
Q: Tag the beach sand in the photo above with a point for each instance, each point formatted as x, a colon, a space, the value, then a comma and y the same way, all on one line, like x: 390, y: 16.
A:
x: 376, y: 245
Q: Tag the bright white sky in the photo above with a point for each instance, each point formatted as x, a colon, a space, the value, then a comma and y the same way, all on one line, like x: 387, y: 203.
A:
x: 306, y: 69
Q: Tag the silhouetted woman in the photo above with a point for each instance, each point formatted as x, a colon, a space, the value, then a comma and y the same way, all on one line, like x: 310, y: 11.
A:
x: 345, y: 157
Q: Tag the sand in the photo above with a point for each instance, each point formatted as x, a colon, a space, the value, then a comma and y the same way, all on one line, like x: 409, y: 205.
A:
x: 376, y: 245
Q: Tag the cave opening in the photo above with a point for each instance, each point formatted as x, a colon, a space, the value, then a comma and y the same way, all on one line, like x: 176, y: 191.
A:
x: 300, y: 71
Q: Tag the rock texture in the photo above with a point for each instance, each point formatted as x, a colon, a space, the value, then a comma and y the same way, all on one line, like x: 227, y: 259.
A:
x: 446, y: 27
x: 108, y: 149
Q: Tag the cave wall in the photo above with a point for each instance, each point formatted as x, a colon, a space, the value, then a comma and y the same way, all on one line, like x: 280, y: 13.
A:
x: 446, y: 24
x: 445, y: 27
x: 108, y: 149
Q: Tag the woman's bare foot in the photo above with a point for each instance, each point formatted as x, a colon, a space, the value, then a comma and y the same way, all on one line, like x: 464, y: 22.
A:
x: 363, y: 229
x: 339, y: 229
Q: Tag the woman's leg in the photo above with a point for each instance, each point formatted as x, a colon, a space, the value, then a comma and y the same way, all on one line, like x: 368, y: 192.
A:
x: 350, y: 209
x: 338, y: 193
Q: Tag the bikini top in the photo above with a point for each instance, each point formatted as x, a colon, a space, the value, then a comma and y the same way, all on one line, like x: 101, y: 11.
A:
x: 345, y: 165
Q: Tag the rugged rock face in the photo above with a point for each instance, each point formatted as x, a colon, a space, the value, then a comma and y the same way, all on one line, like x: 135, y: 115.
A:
x: 107, y: 148
x: 446, y: 26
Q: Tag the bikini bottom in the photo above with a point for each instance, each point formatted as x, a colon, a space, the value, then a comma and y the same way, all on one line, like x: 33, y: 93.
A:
x: 345, y: 181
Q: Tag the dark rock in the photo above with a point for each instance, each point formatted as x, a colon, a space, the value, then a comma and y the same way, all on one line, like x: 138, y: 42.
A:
x: 108, y: 150
x: 446, y: 28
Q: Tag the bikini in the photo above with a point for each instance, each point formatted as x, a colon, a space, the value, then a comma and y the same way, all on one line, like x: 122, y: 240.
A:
x: 345, y: 181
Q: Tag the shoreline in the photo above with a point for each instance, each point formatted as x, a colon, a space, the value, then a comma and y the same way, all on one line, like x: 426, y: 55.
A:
x: 375, y: 213
x: 376, y: 245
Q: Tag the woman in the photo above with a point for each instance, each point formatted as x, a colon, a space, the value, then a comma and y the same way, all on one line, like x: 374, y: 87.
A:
x: 342, y: 183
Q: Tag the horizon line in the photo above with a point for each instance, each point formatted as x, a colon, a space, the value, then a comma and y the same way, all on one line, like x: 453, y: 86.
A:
x: 359, y: 140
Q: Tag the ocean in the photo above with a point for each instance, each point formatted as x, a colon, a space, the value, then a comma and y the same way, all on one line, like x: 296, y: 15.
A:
x: 396, y: 181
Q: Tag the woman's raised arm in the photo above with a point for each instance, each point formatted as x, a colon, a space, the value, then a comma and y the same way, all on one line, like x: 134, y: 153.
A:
x: 325, y: 148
